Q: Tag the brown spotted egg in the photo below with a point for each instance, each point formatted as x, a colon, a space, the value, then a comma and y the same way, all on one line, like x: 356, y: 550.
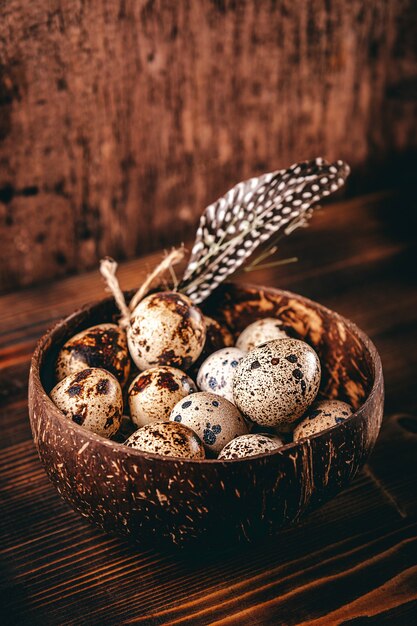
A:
x: 167, y: 439
x: 91, y: 398
x: 154, y: 393
x: 217, y: 372
x: 104, y: 346
x: 249, y: 445
x: 321, y: 415
x: 166, y: 328
x: 215, y: 420
x: 259, y: 332
x: 276, y: 382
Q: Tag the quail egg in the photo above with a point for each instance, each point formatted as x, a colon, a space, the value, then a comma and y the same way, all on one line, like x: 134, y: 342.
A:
x: 249, y: 445
x: 166, y: 328
x: 102, y: 346
x: 217, y: 372
x: 91, y: 398
x: 154, y: 393
x: 276, y: 382
x: 217, y: 336
x: 260, y: 332
x: 321, y: 415
x: 215, y: 420
x: 167, y: 439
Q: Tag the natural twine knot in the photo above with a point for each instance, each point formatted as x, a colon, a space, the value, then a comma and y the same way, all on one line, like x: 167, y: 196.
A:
x: 108, y: 269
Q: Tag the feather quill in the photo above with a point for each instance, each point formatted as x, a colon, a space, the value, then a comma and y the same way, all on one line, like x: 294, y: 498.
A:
x: 249, y: 214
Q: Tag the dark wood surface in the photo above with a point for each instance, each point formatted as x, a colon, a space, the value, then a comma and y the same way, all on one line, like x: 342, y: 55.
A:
x: 120, y: 121
x: 354, y: 561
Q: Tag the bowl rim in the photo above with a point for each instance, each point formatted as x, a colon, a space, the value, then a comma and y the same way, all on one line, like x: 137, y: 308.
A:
x: 46, y: 338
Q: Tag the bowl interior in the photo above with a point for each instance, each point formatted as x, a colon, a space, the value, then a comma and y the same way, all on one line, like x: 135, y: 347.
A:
x: 345, y: 353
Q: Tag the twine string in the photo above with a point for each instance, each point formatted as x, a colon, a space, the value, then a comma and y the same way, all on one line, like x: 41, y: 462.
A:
x: 108, y: 269
x: 173, y: 258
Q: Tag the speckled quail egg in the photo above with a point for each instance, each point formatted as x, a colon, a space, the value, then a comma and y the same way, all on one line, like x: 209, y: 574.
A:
x: 249, y: 445
x: 166, y: 328
x: 321, y: 415
x: 91, y: 398
x: 215, y: 420
x: 217, y: 372
x: 167, y: 439
x: 276, y: 382
x: 259, y: 332
x: 154, y: 393
x: 218, y: 336
x: 104, y: 346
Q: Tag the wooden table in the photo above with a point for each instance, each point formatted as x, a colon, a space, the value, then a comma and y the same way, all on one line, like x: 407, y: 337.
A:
x: 354, y: 561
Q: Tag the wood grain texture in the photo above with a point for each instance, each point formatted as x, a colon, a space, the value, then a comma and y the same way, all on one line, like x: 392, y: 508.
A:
x: 120, y: 121
x: 354, y: 560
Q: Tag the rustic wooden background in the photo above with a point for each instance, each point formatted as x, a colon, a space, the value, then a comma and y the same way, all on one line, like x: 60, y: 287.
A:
x: 120, y: 121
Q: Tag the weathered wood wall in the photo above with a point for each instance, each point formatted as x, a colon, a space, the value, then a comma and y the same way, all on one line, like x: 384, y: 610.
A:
x: 120, y: 121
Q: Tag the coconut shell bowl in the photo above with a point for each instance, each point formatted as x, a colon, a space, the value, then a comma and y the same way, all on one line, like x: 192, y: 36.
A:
x: 153, y: 499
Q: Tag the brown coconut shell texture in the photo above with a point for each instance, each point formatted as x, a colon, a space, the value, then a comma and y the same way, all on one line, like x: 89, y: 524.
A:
x: 153, y: 499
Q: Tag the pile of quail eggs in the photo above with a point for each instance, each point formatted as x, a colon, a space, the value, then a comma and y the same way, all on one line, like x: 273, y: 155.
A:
x: 174, y: 384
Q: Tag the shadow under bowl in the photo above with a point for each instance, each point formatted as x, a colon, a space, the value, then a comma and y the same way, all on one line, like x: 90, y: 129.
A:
x: 153, y: 499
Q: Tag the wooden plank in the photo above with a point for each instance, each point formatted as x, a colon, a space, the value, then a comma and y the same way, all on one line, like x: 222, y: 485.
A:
x: 68, y: 568
x: 326, y: 261
x: 120, y: 122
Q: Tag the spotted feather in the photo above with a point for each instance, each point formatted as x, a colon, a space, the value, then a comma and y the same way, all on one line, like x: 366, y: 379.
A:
x: 249, y: 214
